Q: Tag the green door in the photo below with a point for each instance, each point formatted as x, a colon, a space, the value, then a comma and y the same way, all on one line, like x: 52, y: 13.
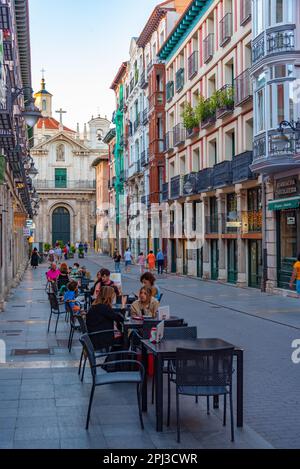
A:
x: 173, y: 256
x: 232, y: 261
x: 200, y: 262
x: 255, y: 263
x: 214, y: 259
x: 60, y: 178
x: 61, y: 225
x: 184, y: 258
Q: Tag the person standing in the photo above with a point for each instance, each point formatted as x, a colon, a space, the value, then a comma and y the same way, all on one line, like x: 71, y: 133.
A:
x: 65, y: 251
x: 117, y: 261
x: 141, y: 262
x: 34, y: 258
x: 58, y: 253
x: 151, y: 261
x: 296, y: 275
x: 51, y: 255
x: 86, y: 247
x: 128, y: 259
x: 160, y: 262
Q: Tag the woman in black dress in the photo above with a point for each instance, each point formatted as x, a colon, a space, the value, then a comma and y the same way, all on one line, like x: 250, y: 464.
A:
x: 102, y: 317
x: 34, y: 258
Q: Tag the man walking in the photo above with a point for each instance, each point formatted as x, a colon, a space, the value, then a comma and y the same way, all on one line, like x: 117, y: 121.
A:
x: 160, y: 262
x: 128, y: 259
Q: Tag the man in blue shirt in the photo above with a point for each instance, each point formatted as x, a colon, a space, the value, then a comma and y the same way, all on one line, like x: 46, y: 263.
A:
x: 160, y: 262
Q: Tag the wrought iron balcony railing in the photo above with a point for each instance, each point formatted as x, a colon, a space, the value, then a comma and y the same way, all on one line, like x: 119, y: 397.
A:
x: 79, y: 184
x: 144, y: 80
x: 241, y: 167
x: 190, y: 184
x: 243, y: 90
x: 225, y: 29
x: 175, y: 187
x: 144, y: 157
x: 193, y: 65
x: 145, y: 116
x: 170, y: 91
x: 179, y: 80
x: 204, y: 180
x: 169, y: 141
x: 165, y: 192
x: 179, y: 135
x: 225, y: 97
x: 280, y: 41
x: 137, y: 122
x: 251, y: 221
x: 208, y: 47
x: 222, y: 174
x: 259, y: 146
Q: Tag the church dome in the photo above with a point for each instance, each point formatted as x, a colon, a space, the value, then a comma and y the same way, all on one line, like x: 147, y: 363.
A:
x: 43, y: 90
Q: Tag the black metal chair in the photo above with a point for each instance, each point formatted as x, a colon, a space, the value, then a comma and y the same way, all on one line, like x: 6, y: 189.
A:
x: 204, y: 373
x: 74, y: 326
x: 56, y: 309
x: 132, y: 372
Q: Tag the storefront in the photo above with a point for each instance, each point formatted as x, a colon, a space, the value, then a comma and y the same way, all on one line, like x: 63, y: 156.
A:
x: 286, y: 204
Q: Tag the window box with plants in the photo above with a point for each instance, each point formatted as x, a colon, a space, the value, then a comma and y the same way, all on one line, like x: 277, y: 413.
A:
x: 225, y: 101
x: 190, y: 121
x: 205, y: 111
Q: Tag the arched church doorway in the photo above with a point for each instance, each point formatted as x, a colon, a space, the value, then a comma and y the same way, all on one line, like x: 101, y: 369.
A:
x: 61, y: 230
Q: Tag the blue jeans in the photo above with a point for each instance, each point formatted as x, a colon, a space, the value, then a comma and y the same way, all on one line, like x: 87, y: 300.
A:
x: 118, y: 267
x: 298, y: 286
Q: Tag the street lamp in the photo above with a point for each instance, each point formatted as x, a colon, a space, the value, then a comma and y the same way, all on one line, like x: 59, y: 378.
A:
x: 31, y: 113
x: 32, y: 171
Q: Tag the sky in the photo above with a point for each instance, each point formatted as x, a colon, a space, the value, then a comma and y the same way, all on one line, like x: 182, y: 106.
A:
x: 81, y: 45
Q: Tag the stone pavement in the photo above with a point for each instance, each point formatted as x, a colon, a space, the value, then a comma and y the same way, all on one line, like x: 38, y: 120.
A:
x: 44, y: 405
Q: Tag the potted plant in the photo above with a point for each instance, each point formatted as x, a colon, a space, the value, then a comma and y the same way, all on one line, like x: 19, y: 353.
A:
x: 190, y: 121
x: 47, y: 247
x: 81, y: 253
x: 225, y: 100
x: 72, y: 251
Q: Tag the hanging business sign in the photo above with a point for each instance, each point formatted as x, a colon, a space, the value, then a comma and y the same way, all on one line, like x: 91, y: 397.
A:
x: 287, y: 187
x: 29, y: 223
x: 26, y: 232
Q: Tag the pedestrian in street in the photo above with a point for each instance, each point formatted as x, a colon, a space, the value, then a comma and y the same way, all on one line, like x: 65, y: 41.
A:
x: 160, y: 262
x: 65, y: 251
x: 296, y: 275
x: 117, y: 261
x: 58, y: 253
x: 51, y: 255
x: 86, y: 247
x: 151, y: 261
x: 148, y: 280
x: 128, y: 260
x: 141, y: 262
x: 35, y: 258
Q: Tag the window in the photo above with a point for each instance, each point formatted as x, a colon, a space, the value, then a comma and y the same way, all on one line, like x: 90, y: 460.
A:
x: 281, y: 102
x: 258, y: 17
x: 196, y: 159
x: 44, y: 105
x: 280, y: 11
x: 60, y: 152
x: 260, y: 107
x: 212, y: 153
x: 60, y: 177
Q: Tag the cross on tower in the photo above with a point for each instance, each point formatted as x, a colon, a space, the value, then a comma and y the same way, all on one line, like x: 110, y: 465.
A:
x: 61, y: 112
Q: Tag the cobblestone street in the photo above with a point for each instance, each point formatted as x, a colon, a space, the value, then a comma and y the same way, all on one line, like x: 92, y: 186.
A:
x: 43, y: 404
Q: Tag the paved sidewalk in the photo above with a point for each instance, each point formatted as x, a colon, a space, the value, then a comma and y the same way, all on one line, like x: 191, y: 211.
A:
x: 44, y: 405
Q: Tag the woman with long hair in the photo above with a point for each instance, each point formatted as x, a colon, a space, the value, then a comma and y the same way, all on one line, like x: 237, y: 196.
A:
x: 102, y: 317
x: 146, y: 305
x: 63, y: 278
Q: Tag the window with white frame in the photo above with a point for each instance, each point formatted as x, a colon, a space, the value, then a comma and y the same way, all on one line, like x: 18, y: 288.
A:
x: 259, y: 102
x: 280, y: 12
x: 258, y: 10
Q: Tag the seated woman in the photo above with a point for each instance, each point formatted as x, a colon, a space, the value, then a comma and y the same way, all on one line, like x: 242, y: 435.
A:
x: 102, y: 317
x: 146, y: 305
x: 148, y: 280
x: 95, y: 290
x: 63, y: 278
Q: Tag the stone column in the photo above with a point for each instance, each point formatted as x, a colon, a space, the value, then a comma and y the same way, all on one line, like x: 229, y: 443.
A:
x: 221, y: 201
x: 242, y: 246
x: 206, y: 243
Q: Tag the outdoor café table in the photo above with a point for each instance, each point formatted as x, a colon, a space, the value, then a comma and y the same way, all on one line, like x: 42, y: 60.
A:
x: 130, y: 324
x: 166, y: 350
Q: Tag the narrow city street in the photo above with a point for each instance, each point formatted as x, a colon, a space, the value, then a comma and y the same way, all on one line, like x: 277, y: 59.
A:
x: 43, y: 403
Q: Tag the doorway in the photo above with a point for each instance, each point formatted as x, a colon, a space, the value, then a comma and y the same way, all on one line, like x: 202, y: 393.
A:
x: 61, y: 229
x: 214, y: 259
x: 173, y: 256
x: 255, y: 263
x: 200, y: 262
x: 232, y: 271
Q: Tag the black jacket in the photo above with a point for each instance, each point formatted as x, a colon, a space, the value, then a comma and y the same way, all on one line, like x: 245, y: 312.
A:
x: 101, y: 318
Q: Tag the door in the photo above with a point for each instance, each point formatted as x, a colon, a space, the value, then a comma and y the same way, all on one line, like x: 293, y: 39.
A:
x: 232, y: 261
x: 173, y: 256
x: 60, y: 178
x: 288, y: 233
x: 200, y: 262
x: 214, y: 259
x: 184, y: 258
x: 61, y: 225
x: 255, y: 263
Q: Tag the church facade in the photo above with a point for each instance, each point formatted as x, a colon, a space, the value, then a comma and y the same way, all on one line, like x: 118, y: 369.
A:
x: 66, y: 180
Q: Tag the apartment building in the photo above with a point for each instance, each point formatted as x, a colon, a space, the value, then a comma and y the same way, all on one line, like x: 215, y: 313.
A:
x: 275, y: 74
x: 208, y: 144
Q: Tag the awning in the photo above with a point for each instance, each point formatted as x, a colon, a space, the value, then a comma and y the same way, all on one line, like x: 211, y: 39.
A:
x: 284, y: 204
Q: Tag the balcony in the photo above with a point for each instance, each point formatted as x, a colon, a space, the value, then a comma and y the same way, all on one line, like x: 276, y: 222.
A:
x: 276, y: 151
x: 73, y: 185
x: 225, y: 98
x: 243, y: 88
x: 131, y: 86
x: 121, y: 143
x: 222, y: 174
x: 193, y: 65
x: 245, y: 12
x: 241, y: 167
x: 170, y: 91
x: 210, y: 115
x: 165, y: 192
x: 192, y: 133
x: 204, y: 180
x: 280, y: 41
x: 145, y: 116
x: 175, y: 191
x: 212, y: 224
x: 179, y: 135
x: 137, y: 122
x: 122, y: 175
x: 190, y: 184
x: 143, y: 80
x: 145, y: 158
x: 5, y: 16
x: 169, y: 141
x: 179, y: 80
x: 7, y: 45
x: 6, y: 110
x: 259, y: 147
x: 225, y: 29
x: 258, y: 48
x: 208, y: 47
x: 252, y: 221
x: 156, y: 100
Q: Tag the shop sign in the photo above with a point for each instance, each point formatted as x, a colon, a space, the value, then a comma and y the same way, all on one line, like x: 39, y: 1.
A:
x: 26, y: 232
x: 291, y: 220
x: 287, y: 187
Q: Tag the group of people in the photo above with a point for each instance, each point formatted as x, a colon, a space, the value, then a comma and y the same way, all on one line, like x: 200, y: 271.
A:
x: 56, y: 253
x: 143, y: 260
x: 60, y: 278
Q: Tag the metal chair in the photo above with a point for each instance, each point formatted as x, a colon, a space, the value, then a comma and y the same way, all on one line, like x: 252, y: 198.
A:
x: 73, y: 326
x: 204, y: 373
x: 55, y: 309
x: 133, y: 372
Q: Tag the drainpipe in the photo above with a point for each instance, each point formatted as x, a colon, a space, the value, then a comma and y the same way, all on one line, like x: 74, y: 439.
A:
x: 264, y: 233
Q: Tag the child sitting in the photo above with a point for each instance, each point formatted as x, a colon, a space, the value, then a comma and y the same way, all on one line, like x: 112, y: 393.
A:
x: 70, y: 297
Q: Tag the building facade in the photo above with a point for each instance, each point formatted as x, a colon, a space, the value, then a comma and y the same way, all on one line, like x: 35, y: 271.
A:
x: 275, y: 73
x: 16, y: 188
x: 66, y: 181
x: 208, y: 145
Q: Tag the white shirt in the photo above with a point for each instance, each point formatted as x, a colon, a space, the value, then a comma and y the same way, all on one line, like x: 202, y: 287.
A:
x: 127, y: 256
